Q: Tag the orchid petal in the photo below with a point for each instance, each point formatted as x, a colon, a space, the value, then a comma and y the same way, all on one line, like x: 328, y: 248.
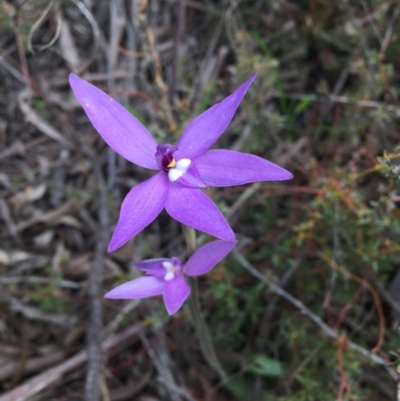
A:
x: 206, y: 257
x: 191, y: 207
x: 224, y: 168
x: 141, y: 287
x: 139, y: 208
x: 153, y: 267
x: 149, y: 264
x: 119, y: 128
x: 175, y: 293
x: 206, y: 128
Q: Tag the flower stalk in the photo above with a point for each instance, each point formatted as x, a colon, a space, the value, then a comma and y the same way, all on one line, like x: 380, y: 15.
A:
x: 199, y: 323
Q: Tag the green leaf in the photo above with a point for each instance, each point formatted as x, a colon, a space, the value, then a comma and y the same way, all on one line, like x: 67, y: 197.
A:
x: 265, y: 366
x: 303, y: 104
x: 239, y: 388
x: 243, y: 391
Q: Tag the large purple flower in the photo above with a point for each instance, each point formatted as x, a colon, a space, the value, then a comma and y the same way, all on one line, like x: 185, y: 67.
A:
x: 184, y: 169
x: 166, y: 276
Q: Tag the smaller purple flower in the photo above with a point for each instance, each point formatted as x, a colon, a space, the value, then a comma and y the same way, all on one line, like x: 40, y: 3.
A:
x: 167, y: 276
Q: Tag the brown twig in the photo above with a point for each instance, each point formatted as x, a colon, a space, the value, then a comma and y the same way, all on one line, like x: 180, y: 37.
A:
x: 125, y: 92
x: 129, y: 53
x: 21, y: 51
x: 162, y: 360
x: 373, y: 292
x: 96, y: 34
x: 130, y: 16
x: 6, y: 215
x: 344, y: 385
x: 51, y: 216
x: 41, y: 124
x: 28, y: 390
x: 11, y: 69
x: 93, y: 338
x: 32, y: 365
x: 180, y: 26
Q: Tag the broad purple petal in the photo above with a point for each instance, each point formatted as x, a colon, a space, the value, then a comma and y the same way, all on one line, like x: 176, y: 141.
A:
x: 141, y: 287
x: 119, y: 128
x: 176, y: 292
x: 224, y: 168
x: 139, y: 208
x: 206, y: 257
x: 195, y: 209
x: 206, y: 128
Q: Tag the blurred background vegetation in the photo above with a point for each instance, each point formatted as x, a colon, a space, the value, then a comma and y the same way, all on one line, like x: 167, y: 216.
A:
x: 325, y: 105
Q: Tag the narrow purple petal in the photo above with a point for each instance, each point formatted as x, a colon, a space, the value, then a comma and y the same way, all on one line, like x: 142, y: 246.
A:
x: 139, y: 208
x: 153, y: 267
x: 151, y: 263
x: 141, y: 287
x: 224, y: 168
x: 206, y: 128
x: 120, y: 129
x: 206, y: 257
x: 195, y: 209
x: 175, y: 293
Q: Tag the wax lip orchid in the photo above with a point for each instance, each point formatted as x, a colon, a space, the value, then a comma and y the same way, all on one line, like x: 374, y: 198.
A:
x: 167, y: 276
x: 184, y: 169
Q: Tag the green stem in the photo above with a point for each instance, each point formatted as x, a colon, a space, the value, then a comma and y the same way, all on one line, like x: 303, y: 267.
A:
x: 202, y: 332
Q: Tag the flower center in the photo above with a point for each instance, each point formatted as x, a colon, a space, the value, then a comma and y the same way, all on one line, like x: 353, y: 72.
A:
x: 173, y: 268
x: 164, y: 157
x: 172, y: 163
x: 179, y: 170
x: 170, y: 270
x: 168, y: 161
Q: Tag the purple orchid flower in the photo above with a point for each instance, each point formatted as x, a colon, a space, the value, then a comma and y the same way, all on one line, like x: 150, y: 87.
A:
x: 166, y: 276
x: 184, y: 169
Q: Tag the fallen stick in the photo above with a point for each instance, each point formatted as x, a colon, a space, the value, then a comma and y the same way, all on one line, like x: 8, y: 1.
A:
x: 27, y: 390
x: 33, y: 365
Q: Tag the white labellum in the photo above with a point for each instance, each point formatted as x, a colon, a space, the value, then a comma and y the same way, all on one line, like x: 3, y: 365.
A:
x: 179, y: 169
x: 170, y: 271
